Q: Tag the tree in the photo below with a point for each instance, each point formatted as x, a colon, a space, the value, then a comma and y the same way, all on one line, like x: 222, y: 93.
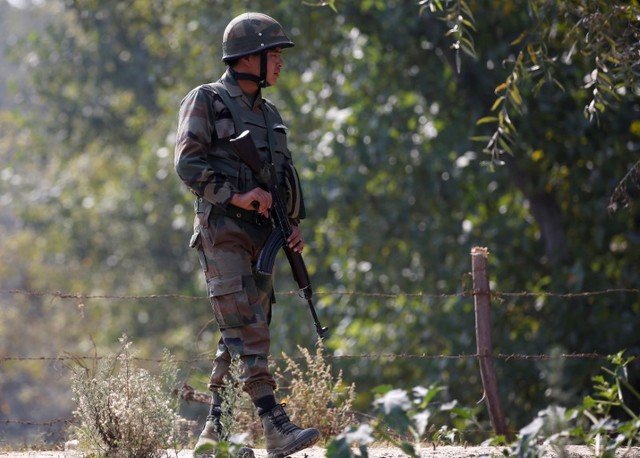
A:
x: 383, y: 113
x: 602, y: 35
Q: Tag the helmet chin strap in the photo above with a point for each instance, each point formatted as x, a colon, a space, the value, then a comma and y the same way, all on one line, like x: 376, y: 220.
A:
x: 261, y: 80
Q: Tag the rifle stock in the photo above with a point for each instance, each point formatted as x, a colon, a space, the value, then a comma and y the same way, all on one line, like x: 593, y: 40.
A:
x: 245, y: 149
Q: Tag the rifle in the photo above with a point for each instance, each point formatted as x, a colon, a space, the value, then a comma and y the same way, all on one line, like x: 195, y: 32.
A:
x: 266, y: 176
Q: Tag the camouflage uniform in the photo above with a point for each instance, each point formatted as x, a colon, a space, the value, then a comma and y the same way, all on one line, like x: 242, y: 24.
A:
x: 229, y: 239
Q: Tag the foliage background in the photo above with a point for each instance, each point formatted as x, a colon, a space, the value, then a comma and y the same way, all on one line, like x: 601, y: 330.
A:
x: 381, y: 124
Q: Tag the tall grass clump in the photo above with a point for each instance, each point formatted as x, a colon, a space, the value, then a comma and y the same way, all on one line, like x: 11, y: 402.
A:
x: 314, y: 396
x: 124, y: 410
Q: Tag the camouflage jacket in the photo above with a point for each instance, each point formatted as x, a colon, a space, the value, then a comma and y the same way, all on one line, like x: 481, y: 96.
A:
x: 204, y: 159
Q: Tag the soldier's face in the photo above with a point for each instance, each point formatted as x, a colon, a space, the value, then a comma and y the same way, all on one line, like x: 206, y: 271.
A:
x: 275, y: 62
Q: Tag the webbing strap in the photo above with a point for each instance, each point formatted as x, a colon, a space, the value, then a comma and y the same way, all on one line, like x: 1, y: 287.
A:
x: 233, y: 109
x: 230, y: 104
x: 263, y: 108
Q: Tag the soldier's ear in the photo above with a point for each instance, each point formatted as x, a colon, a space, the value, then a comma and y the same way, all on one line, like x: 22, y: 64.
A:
x: 244, y: 62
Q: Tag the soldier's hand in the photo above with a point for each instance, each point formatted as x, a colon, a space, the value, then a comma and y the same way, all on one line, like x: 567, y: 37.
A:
x: 256, y: 199
x: 295, y: 240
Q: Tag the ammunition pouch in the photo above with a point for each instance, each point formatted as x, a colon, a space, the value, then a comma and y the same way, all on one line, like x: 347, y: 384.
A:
x: 202, y: 208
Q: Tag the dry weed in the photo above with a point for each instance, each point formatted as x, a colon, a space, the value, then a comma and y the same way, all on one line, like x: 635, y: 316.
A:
x: 314, y: 397
x: 124, y: 410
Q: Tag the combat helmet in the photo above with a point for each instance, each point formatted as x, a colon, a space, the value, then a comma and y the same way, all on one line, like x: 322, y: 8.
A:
x: 252, y: 33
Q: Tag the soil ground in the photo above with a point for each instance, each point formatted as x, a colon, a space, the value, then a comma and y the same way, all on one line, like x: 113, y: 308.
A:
x: 374, y: 452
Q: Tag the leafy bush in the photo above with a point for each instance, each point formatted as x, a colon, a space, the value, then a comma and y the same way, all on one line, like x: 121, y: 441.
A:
x: 124, y: 410
x: 605, y: 421
x: 404, y: 420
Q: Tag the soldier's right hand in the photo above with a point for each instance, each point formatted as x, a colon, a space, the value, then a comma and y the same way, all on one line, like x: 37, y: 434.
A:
x: 256, y: 199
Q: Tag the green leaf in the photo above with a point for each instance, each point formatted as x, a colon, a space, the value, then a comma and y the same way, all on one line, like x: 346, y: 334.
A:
x: 339, y: 448
x: 382, y: 389
x: 468, y: 48
x: 504, y: 145
x: 408, y: 448
x: 497, y: 103
x: 519, y: 39
x: 466, y: 10
x: 469, y: 24
x: 486, y: 120
x: 514, y: 94
x: 501, y: 87
x: 589, y: 402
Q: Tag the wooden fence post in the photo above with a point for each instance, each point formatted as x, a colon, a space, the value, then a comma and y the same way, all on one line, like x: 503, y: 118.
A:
x: 482, y: 303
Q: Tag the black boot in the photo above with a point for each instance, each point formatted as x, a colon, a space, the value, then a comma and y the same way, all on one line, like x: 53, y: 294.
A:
x: 283, y: 437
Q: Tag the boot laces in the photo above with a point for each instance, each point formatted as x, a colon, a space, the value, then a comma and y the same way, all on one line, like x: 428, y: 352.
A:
x: 281, y: 420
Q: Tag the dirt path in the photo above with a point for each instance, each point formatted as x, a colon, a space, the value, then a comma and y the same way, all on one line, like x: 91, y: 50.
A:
x: 573, y: 451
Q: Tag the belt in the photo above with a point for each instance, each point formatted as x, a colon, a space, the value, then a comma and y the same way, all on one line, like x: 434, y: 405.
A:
x: 249, y: 216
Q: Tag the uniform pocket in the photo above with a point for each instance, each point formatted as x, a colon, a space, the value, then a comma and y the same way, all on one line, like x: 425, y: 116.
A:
x: 196, y: 242
x: 281, y: 140
x: 281, y: 156
x: 225, y: 128
x: 230, y: 303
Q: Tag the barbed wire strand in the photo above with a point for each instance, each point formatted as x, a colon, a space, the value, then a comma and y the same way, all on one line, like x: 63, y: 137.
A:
x: 501, y: 356
x: 467, y: 293
x: 567, y: 295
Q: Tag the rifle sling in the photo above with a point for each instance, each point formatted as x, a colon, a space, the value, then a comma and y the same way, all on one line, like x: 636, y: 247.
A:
x: 233, y: 109
x: 235, y: 115
x: 231, y: 105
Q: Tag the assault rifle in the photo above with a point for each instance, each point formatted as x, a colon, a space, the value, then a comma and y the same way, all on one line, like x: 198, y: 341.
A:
x: 266, y: 176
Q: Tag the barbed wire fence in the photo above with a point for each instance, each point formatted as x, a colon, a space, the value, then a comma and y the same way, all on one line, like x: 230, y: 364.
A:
x: 466, y: 294
x: 480, y: 292
x: 203, y: 398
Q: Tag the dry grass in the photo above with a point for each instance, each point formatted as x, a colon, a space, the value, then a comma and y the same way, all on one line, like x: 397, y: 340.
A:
x: 124, y: 410
x: 314, y: 397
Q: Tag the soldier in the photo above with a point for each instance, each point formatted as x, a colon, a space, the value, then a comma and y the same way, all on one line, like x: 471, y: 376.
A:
x: 232, y: 217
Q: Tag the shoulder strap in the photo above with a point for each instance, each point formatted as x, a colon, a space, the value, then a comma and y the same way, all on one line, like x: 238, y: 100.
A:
x: 230, y: 104
x: 269, y: 133
x: 233, y: 109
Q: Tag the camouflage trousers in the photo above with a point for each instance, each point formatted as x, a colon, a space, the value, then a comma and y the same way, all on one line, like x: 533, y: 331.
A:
x: 241, y: 299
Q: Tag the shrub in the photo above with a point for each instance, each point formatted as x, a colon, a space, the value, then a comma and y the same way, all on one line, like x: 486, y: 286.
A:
x: 240, y: 422
x: 314, y: 397
x: 604, y: 420
x: 124, y: 410
x: 403, y: 420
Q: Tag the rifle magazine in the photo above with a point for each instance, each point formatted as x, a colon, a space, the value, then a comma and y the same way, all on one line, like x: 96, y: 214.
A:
x: 267, y: 257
